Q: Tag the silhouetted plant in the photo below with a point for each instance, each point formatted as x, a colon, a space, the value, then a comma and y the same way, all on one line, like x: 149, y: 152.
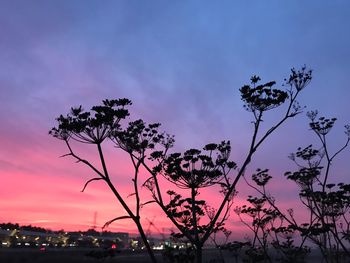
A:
x: 269, y: 226
x: 220, y: 245
x: 284, y: 244
x: 262, y: 220
x: 328, y: 203
x: 190, y: 171
x: 194, y: 170
x: 102, y: 125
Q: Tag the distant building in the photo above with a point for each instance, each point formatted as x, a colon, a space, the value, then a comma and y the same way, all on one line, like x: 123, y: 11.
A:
x: 36, y: 237
x: 26, y: 238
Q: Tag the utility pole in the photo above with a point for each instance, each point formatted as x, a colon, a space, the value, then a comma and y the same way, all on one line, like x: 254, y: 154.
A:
x: 94, y: 224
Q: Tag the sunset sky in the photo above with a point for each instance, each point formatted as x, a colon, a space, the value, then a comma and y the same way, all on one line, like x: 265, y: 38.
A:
x: 182, y: 64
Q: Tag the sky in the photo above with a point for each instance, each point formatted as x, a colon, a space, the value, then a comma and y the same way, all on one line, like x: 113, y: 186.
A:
x: 182, y: 64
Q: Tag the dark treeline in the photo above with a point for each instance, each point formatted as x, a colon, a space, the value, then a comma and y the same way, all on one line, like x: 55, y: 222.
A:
x: 16, y: 226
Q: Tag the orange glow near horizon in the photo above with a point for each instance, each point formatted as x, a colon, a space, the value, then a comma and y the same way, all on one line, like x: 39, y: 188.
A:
x: 46, y: 192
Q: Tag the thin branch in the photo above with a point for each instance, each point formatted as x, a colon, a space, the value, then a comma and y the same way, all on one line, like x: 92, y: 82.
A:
x: 341, y: 149
x: 93, y: 179
x: 115, y: 219
x: 83, y: 161
x: 102, y: 159
x: 65, y: 155
x: 148, y: 202
x: 254, y: 146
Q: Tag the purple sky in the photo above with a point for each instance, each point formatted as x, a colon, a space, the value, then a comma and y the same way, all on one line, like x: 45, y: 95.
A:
x: 180, y: 62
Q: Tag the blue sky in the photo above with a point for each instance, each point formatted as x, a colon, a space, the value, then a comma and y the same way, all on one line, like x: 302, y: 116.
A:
x: 180, y: 62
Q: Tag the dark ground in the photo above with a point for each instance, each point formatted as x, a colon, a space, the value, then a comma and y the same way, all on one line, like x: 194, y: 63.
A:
x: 18, y: 255
x: 33, y: 255
x: 67, y: 256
